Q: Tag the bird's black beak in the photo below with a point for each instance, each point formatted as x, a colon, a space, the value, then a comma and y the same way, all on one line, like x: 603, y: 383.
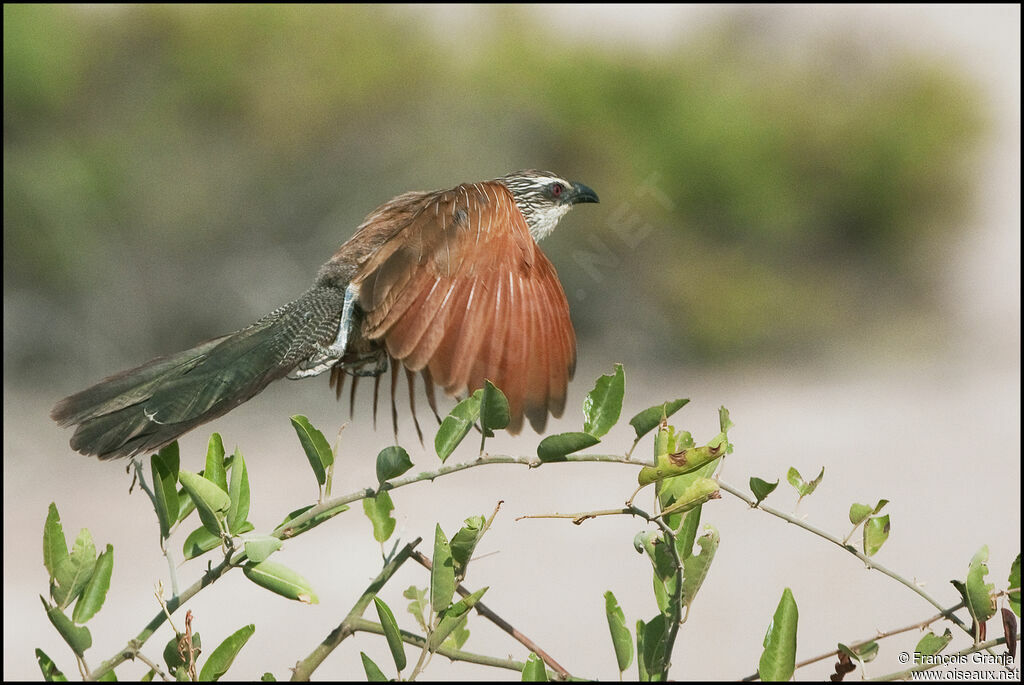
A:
x: 582, y: 193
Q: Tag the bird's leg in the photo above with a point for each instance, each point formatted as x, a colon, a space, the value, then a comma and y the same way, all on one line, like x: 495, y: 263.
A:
x: 323, y: 358
x: 373, y: 363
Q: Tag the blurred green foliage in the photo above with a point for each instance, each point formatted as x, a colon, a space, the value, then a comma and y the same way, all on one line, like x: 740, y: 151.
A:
x: 757, y: 195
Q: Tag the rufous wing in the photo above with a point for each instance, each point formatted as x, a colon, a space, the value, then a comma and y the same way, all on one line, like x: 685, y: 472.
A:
x: 462, y: 293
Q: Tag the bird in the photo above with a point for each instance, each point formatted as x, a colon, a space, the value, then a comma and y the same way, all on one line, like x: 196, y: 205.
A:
x: 450, y: 285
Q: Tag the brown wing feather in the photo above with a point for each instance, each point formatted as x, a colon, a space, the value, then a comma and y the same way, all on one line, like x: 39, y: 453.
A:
x: 463, y: 293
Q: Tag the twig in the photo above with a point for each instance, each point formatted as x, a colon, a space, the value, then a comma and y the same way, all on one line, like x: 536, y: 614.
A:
x: 676, y: 617
x: 141, y: 477
x: 870, y: 563
x: 677, y: 595
x: 425, y: 653
x: 531, y: 462
x: 153, y: 667
x: 304, y: 669
x: 214, y: 573
x: 489, y: 614
x: 582, y: 516
x: 363, y: 625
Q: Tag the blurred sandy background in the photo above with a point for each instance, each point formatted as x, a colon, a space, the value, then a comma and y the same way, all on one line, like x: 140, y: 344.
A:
x: 809, y: 214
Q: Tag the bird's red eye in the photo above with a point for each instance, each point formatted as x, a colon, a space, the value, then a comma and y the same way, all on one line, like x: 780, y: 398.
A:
x: 556, y: 189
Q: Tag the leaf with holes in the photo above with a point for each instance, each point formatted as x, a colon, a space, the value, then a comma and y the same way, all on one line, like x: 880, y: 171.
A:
x: 378, y: 509
x: 603, y: 404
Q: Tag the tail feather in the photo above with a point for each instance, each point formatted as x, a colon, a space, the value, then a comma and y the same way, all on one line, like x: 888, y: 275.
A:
x: 145, y: 408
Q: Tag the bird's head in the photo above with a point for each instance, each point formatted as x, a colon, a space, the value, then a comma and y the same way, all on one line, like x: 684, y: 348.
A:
x: 544, y: 198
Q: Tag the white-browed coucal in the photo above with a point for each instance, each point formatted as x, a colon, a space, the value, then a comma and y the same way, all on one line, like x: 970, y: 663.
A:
x: 449, y: 284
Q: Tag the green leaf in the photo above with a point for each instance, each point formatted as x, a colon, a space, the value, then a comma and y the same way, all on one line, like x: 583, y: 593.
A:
x: 392, y: 462
x: 452, y: 617
x: 647, y: 420
x: 442, y: 574
x: 199, y: 542
x: 1013, y: 581
x: 457, y: 638
x: 682, y: 462
x: 494, y: 412
x: 778, y: 660
x: 211, y: 501
x: 864, y: 653
x: 555, y: 447
x: 164, y: 468
x: 876, y: 532
x: 464, y: 542
x: 797, y: 481
x: 287, y: 530
x: 670, y: 440
x: 860, y: 512
x: 456, y: 425
x: 980, y: 601
x: 933, y: 644
x: 378, y: 509
x: 318, y: 452
x: 622, y: 641
x: 214, y: 471
x: 172, y: 657
x: 238, y: 491
x: 762, y: 488
x: 603, y: 404
x: 665, y: 577
x: 641, y: 667
x: 533, y: 670
x: 669, y: 491
x: 259, y: 547
x: 78, y: 638
x: 95, y: 591
x: 391, y: 632
x: 75, y: 571
x: 418, y: 605
x: 373, y: 672
x: 108, y: 677
x: 55, y: 547
x: 724, y: 422
x: 147, y: 677
x: 51, y: 673
x: 185, y: 505
x: 281, y: 580
x: 699, y: 492
x: 268, y: 677
x: 687, y: 532
x: 695, y: 567
x: 653, y: 651
x: 218, y: 663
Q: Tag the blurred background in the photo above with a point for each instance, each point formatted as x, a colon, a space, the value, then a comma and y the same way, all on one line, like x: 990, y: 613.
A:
x: 808, y: 214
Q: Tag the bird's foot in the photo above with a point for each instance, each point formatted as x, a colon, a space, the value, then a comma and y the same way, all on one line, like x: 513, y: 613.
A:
x: 322, y: 359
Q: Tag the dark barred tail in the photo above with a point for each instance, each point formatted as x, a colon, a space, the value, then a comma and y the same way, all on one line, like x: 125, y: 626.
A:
x: 143, y: 409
